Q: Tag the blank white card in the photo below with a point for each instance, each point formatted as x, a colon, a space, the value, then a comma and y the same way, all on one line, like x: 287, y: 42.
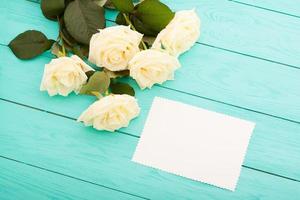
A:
x: 194, y: 143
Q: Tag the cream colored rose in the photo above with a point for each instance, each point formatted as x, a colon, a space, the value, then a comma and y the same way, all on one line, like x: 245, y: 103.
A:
x: 180, y: 34
x: 113, y: 47
x: 64, y: 75
x: 111, y: 112
x: 150, y: 66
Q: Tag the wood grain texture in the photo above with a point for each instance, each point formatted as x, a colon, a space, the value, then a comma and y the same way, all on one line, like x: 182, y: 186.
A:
x: 23, y: 15
x: 270, y: 131
x: 211, y: 73
x: 60, y: 144
x: 265, y: 91
x: 20, y: 15
x: 104, y: 158
x: 287, y: 7
x: 245, y: 29
x: 20, y: 181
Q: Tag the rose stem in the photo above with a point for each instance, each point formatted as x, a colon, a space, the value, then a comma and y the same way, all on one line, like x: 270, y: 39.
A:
x: 63, y: 48
x: 97, y: 94
x: 133, y: 28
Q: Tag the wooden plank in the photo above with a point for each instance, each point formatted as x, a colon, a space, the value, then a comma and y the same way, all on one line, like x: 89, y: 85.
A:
x: 65, y: 146
x: 24, y: 79
x: 19, y: 15
x: 245, y: 29
x: 287, y: 7
x: 225, y: 24
x: 211, y: 73
x: 23, y: 15
x: 221, y: 76
x: 20, y: 181
x: 239, y: 80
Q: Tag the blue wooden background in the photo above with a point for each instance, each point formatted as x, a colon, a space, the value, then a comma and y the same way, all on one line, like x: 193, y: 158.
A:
x: 246, y: 64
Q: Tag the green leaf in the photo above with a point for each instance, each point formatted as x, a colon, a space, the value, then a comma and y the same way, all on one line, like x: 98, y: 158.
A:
x: 101, y: 2
x: 116, y: 74
x: 142, y: 27
x: 77, y: 51
x: 30, y: 44
x: 120, y: 19
x: 121, y: 88
x: 109, y: 5
x: 85, y: 50
x: 64, y: 34
x: 67, y: 2
x: 98, y: 82
x: 149, y: 40
x: 124, y: 6
x: 52, y: 8
x: 138, y: 25
x: 90, y: 73
x: 83, y: 18
x: 154, y: 14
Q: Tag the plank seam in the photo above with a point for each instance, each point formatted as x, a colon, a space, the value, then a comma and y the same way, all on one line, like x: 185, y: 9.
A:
x: 224, y: 49
x: 72, y: 177
x: 239, y: 2
x: 59, y: 115
x: 195, y: 95
x: 248, y: 55
x: 172, y: 89
x: 239, y: 53
x: 270, y: 173
x: 263, y: 8
x: 229, y: 104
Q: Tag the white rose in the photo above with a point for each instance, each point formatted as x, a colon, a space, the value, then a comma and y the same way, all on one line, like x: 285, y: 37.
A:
x: 64, y: 75
x: 180, y: 34
x: 111, y: 112
x: 150, y: 66
x: 113, y: 47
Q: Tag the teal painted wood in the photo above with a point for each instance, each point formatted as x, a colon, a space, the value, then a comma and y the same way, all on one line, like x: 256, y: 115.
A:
x: 12, y: 13
x: 270, y: 131
x: 245, y: 29
x: 212, y: 73
x: 63, y: 145
x: 20, y: 181
x: 283, y: 160
x: 262, y: 91
x: 240, y: 80
x: 288, y: 7
x: 23, y: 15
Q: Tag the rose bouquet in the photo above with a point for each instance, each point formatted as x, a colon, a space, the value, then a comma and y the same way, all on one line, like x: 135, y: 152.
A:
x: 145, y: 45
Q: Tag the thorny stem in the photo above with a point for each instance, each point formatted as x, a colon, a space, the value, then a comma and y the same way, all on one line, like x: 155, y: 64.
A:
x: 133, y: 28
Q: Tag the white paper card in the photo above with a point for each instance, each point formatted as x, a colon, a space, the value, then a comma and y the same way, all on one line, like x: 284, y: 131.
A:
x: 193, y: 142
